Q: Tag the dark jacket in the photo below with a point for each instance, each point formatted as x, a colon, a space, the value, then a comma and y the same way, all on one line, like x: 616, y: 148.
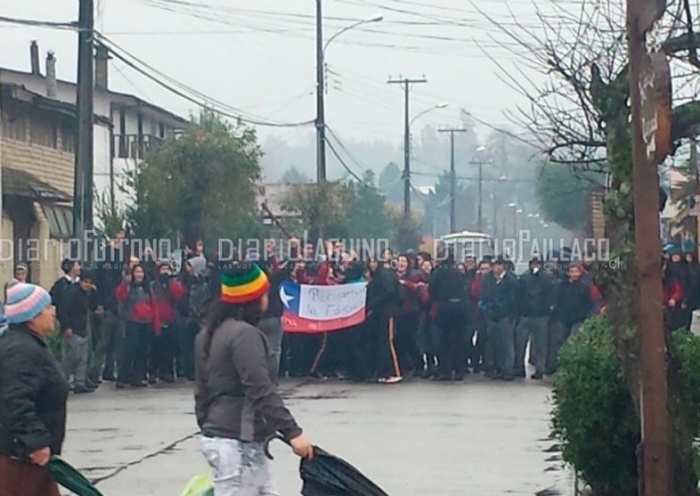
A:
x: 501, y: 298
x: 382, y: 293
x: 235, y: 395
x: 109, y: 274
x: 573, y: 303
x: 33, y: 394
x: 447, y: 284
x: 58, y: 292
x: 77, y: 303
x: 535, y: 294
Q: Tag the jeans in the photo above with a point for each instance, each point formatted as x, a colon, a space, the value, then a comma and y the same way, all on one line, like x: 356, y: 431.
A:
x: 108, y: 345
x: 502, y: 334
x: 75, y: 361
x: 538, y: 328
x: 162, y: 353
x: 238, y: 468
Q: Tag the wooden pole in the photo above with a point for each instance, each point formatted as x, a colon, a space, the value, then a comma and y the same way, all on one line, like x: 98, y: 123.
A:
x: 654, y: 477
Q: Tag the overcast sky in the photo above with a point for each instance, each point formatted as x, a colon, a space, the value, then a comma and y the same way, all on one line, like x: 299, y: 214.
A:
x: 260, y: 57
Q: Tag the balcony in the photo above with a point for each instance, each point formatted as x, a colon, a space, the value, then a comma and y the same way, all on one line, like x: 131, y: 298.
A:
x: 134, y: 146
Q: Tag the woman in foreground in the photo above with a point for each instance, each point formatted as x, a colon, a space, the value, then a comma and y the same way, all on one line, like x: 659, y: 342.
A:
x: 237, y: 404
x: 33, y: 394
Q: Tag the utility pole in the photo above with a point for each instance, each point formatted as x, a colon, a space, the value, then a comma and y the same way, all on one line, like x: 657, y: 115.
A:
x: 453, y: 177
x: 83, y: 180
x: 320, y: 98
x: 406, y: 82
x: 650, y: 99
x: 480, y: 214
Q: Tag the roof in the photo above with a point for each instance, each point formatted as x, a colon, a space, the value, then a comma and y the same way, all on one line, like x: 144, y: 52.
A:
x: 20, y: 93
x: 22, y: 183
x: 115, y: 96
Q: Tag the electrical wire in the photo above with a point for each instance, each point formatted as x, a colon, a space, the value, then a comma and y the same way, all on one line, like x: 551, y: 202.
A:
x: 342, y: 162
x: 185, y: 91
x: 73, y: 26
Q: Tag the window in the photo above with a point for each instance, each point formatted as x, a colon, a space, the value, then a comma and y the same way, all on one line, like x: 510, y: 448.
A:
x: 67, y: 139
x: 14, y: 128
x: 44, y: 134
x: 60, y: 220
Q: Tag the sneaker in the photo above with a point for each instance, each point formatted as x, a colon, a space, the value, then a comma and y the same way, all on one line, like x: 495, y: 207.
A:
x: 537, y: 376
x: 381, y: 380
x: 83, y: 390
x: 393, y: 380
x: 120, y: 385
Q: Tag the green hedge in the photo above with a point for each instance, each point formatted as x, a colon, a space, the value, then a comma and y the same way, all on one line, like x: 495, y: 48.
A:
x: 594, y: 416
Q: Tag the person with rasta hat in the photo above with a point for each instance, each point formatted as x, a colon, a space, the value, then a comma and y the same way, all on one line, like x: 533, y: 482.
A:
x: 237, y: 404
x: 33, y: 394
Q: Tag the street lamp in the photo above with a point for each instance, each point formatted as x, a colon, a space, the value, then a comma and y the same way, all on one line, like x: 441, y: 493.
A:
x: 376, y: 18
x: 320, y: 85
x: 421, y: 114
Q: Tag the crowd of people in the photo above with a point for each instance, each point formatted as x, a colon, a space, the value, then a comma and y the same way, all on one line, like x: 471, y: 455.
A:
x: 133, y: 320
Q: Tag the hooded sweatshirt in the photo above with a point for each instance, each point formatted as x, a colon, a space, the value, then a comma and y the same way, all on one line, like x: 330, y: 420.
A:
x: 198, y: 288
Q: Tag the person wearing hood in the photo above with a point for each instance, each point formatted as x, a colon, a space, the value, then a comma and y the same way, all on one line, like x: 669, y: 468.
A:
x: 199, y: 294
x: 140, y: 321
x: 682, y: 271
x: 536, y: 293
x: 167, y: 292
x: 382, y: 302
x: 452, y: 318
x: 673, y: 295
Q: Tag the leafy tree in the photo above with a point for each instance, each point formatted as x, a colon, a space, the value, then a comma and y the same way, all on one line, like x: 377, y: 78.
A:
x: 390, y: 183
x: 294, y: 176
x: 562, y: 195
x: 368, y: 215
x: 109, y: 221
x: 323, y: 208
x: 200, y: 184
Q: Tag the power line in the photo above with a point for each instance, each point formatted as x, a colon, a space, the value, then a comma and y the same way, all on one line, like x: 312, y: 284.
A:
x: 73, y: 25
x: 185, y: 91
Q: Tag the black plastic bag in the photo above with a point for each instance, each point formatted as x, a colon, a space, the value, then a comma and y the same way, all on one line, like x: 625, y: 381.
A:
x: 328, y: 475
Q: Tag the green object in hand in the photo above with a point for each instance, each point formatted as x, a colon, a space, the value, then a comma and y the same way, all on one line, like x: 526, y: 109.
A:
x: 68, y: 477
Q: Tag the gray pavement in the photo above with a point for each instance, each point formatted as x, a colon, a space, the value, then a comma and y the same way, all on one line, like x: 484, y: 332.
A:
x: 476, y: 438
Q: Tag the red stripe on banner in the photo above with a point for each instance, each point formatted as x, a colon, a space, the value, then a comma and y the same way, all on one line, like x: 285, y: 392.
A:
x: 294, y: 323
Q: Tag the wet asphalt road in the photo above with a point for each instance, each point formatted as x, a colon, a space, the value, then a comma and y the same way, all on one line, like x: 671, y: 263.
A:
x: 476, y: 438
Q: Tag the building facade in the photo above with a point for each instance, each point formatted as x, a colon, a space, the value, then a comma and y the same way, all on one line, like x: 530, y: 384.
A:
x: 126, y: 127
x: 38, y: 137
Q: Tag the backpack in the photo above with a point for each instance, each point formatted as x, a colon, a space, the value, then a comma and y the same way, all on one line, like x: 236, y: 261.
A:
x: 199, y: 297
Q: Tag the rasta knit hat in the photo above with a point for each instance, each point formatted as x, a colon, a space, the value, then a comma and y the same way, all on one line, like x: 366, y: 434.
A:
x: 243, y: 283
x: 24, y: 302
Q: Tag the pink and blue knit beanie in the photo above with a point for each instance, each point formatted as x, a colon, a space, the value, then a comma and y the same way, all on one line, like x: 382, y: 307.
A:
x: 24, y: 302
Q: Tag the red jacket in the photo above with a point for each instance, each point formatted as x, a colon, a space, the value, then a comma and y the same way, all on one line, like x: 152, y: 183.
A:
x: 143, y: 310
x: 166, y: 300
x: 672, y: 291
